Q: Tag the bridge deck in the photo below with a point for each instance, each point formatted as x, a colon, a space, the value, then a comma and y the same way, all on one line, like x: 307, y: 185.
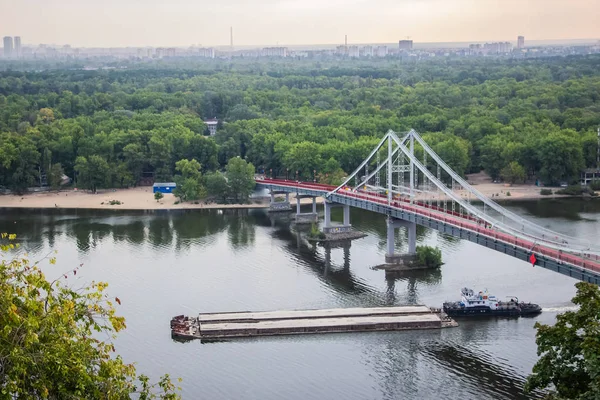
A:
x: 453, y: 223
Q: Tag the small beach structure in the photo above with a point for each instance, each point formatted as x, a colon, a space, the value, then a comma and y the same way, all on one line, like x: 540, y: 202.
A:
x: 165, y: 187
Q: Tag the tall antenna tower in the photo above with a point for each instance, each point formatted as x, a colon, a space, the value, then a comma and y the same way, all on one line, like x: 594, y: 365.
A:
x: 231, y: 38
x: 346, y: 40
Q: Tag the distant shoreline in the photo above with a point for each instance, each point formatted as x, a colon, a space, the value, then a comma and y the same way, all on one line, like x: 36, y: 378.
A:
x: 142, y: 198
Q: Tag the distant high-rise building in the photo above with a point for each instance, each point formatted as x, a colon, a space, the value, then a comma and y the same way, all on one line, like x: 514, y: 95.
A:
x: 367, y: 51
x: 353, y: 51
x: 206, y: 52
x: 497, y: 48
x: 18, y: 53
x: 521, y: 42
x: 275, y: 52
x: 8, y: 46
x: 381, y: 51
x: 405, y: 44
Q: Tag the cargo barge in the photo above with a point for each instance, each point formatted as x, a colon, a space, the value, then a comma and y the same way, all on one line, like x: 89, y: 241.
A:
x: 219, y: 326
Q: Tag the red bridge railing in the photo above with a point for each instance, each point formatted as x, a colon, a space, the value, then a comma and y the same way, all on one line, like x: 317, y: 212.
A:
x: 463, y: 221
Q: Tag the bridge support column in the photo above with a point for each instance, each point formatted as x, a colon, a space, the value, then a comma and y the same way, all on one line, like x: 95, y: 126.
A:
x: 338, y: 232
x: 329, y: 228
x: 412, y: 238
x: 391, y: 258
x: 279, y: 205
x: 306, y: 218
x: 347, y: 215
x: 327, y: 219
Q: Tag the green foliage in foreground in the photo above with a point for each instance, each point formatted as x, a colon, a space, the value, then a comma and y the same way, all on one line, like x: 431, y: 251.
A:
x: 570, y: 350
x: 56, y: 341
x: 158, y: 196
x: 546, y: 192
x: 430, y: 257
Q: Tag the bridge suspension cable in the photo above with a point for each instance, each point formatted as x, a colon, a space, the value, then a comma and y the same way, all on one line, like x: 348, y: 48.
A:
x: 583, y: 245
x: 424, y: 187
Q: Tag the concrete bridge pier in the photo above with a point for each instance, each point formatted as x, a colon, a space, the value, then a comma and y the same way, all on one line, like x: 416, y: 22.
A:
x: 275, y: 206
x: 391, y: 258
x: 338, y: 232
x: 328, y: 227
x: 306, y: 218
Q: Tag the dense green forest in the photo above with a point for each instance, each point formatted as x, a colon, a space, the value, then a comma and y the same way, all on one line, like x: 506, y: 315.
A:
x: 124, y: 124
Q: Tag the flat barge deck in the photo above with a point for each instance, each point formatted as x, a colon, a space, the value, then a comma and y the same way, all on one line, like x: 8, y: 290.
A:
x: 215, y: 326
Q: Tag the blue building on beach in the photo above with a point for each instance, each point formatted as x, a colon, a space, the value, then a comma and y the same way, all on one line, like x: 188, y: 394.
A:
x: 165, y: 187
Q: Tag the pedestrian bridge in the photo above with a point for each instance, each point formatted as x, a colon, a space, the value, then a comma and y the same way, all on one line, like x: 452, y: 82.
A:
x: 409, y: 190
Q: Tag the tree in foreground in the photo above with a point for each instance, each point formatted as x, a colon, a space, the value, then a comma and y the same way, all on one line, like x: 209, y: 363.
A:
x: 56, y: 342
x: 570, y: 350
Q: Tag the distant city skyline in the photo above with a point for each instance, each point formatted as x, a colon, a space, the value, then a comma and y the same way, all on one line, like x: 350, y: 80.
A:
x: 315, y: 46
x: 176, y: 23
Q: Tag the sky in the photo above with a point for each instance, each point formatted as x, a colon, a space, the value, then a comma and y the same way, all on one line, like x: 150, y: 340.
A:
x: 121, y: 23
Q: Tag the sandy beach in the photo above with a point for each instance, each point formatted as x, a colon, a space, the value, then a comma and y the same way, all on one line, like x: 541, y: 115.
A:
x: 142, y: 198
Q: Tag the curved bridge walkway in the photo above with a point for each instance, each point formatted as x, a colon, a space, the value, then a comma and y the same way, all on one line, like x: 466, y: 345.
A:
x: 444, y: 202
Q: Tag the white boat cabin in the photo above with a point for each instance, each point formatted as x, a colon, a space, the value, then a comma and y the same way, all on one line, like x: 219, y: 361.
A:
x: 470, y: 299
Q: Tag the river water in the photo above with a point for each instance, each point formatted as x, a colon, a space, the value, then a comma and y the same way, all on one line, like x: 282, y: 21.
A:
x: 165, y: 263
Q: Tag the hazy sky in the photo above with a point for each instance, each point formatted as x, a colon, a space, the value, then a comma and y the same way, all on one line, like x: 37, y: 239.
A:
x: 269, y: 22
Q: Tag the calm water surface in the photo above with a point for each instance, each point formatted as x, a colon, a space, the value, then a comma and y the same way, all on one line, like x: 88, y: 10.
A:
x: 162, y: 263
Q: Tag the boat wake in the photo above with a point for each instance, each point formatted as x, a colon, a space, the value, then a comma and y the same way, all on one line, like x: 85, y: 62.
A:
x: 560, y: 309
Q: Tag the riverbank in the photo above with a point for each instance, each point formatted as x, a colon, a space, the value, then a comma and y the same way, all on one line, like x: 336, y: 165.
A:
x: 140, y: 198
x: 506, y: 192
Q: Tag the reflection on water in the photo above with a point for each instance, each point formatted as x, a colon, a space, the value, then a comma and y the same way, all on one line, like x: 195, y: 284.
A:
x: 88, y: 228
x: 568, y: 209
x: 163, y: 263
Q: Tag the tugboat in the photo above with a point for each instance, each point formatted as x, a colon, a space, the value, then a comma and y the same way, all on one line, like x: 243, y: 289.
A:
x: 484, y: 304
